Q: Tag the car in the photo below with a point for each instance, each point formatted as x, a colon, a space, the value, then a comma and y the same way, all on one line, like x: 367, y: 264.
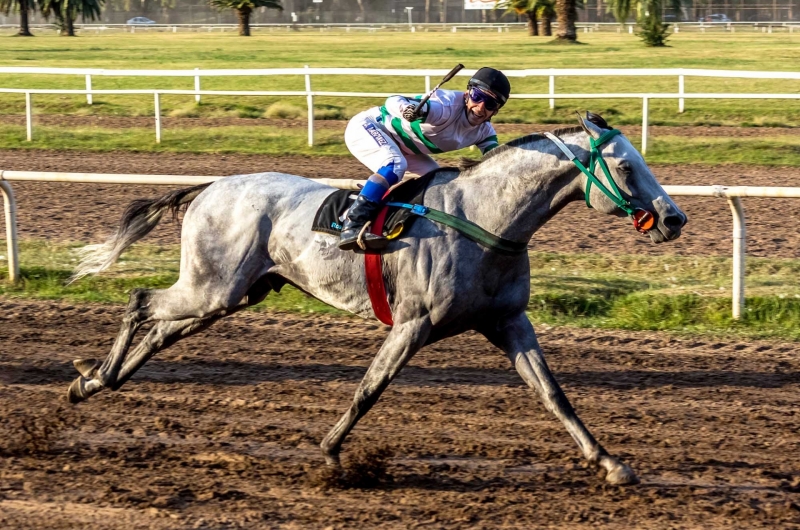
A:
x: 720, y: 17
x: 140, y: 20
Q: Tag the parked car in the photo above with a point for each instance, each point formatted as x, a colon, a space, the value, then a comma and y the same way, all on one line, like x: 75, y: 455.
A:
x: 715, y: 18
x: 140, y: 20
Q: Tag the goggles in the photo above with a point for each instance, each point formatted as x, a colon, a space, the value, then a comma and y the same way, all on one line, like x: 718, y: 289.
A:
x: 479, y: 96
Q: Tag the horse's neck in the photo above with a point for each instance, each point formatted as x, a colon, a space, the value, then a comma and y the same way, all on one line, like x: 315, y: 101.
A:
x: 514, y: 193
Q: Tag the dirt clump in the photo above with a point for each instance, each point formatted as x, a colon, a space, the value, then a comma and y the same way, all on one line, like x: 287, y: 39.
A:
x: 32, y: 433
x: 363, y: 468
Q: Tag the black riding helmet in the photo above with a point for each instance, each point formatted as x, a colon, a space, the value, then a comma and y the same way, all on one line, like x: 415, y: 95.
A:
x: 493, y: 80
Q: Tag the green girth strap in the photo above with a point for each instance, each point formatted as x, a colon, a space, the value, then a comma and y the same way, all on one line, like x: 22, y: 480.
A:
x: 470, y: 230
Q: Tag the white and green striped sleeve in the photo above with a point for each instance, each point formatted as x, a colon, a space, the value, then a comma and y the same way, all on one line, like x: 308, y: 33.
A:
x: 488, y: 143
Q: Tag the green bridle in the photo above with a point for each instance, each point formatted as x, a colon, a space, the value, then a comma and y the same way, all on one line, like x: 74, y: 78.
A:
x: 596, y: 158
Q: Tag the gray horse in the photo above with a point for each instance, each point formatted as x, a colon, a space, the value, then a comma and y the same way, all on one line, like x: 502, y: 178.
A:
x: 247, y: 235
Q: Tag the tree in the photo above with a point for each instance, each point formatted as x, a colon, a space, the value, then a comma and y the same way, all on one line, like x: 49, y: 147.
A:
x: 567, y: 13
x: 654, y: 31
x: 25, y: 8
x: 66, y: 11
x: 244, y: 8
x: 529, y: 8
x: 546, y: 12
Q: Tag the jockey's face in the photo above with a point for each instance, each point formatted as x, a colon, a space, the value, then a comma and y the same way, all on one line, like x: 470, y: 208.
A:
x: 477, y: 112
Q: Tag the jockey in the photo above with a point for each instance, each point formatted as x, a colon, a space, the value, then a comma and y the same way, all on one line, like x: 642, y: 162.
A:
x: 399, y: 137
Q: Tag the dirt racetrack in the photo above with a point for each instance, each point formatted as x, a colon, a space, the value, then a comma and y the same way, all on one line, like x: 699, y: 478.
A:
x: 221, y: 431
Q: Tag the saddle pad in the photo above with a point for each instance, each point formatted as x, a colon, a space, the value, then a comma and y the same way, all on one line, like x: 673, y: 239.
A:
x: 330, y: 214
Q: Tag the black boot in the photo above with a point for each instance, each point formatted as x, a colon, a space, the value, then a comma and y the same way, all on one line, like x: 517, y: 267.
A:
x: 362, y: 211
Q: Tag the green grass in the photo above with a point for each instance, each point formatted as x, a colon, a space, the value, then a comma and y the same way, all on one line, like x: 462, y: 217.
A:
x: 771, y: 150
x: 670, y: 293
x: 741, y: 51
x: 46, y: 267
x: 664, y: 293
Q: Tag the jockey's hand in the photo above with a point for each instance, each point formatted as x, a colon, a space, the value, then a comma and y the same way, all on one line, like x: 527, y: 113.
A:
x: 412, y: 112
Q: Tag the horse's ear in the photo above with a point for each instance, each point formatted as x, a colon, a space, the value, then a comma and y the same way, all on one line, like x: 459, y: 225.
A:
x: 590, y: 124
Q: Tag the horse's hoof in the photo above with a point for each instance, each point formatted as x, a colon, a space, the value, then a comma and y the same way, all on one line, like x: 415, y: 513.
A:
x: 86, y: 367
x: 622, y: 475
x: 80, y: 390
x: 332, y: 460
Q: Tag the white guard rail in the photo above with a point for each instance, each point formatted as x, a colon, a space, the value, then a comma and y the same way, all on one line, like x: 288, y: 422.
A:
x: 309, y: 94
x: 732, y: 193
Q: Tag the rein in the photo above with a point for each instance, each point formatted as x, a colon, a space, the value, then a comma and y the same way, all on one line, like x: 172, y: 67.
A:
x: 469, y: 229
x: 642, y: 219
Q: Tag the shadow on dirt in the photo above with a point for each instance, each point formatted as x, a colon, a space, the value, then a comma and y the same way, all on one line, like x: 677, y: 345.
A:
x: 235, y: 373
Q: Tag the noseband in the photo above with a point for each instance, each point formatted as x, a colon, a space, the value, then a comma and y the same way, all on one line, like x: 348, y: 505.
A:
x: 642, y: 219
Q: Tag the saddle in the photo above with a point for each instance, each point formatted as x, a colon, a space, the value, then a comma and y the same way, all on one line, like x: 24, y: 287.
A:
x: 330, y: 214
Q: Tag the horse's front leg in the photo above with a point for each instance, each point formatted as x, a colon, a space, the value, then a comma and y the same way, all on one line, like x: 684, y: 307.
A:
x: 516, y: 337
x: 404, y: 340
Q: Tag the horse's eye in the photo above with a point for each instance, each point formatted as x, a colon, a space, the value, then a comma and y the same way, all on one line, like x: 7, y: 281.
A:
x: 624, y: 170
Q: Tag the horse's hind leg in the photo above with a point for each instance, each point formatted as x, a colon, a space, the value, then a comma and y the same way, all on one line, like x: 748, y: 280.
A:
x: 103, y: 375
x: 516, y: 337
x: 163, y: 334
x: 166, y: 333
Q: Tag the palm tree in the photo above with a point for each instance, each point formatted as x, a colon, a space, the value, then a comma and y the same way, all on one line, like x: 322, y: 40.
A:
x: 25, y: 8
x: 66, y: 11
x: 648, y: 16
x: 546, y: 12
x: 529, y: 8
x: 622, y: 9
x: 567, y: 12
x: 244, y: 8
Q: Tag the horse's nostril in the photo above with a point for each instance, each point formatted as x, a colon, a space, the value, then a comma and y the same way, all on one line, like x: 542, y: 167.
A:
x: 674, y: 222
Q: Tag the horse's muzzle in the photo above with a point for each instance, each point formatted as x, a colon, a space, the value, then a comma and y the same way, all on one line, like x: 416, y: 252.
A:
x: 668, y: 227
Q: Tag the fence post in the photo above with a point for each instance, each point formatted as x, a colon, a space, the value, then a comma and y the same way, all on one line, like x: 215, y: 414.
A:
x: 157, y: 101
x: 427, y: 84
x: 681, y: 92
x: 310, y: 102
x: 739, y: 252
x: 28, y: 116
x: 552, y: 91
x: 197, y: 87
x: 11, y: 230
x: 89, y: 88
x: 645, y: 105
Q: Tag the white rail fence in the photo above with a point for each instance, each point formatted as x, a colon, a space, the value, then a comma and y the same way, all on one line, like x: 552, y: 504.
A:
x: 679, y: 73
x: 733, y: 194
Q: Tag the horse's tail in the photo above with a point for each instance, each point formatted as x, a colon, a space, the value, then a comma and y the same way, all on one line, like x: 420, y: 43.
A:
x: 138, y: 219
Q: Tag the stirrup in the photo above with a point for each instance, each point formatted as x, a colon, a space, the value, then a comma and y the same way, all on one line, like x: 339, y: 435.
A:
x: 360, y: 238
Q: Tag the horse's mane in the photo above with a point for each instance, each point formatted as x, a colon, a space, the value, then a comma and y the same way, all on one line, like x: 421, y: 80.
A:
x: 469, y: 163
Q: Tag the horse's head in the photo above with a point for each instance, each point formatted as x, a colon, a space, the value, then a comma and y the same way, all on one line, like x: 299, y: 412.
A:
x: 633, y: 190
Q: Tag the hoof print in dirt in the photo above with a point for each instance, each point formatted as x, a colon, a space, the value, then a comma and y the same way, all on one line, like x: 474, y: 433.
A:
x: 364, y: 469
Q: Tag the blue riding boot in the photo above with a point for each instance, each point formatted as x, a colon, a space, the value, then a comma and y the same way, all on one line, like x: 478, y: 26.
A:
x: 356, y: 231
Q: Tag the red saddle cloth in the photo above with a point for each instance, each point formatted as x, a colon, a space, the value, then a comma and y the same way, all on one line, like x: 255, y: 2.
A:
x: 374, y: 268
